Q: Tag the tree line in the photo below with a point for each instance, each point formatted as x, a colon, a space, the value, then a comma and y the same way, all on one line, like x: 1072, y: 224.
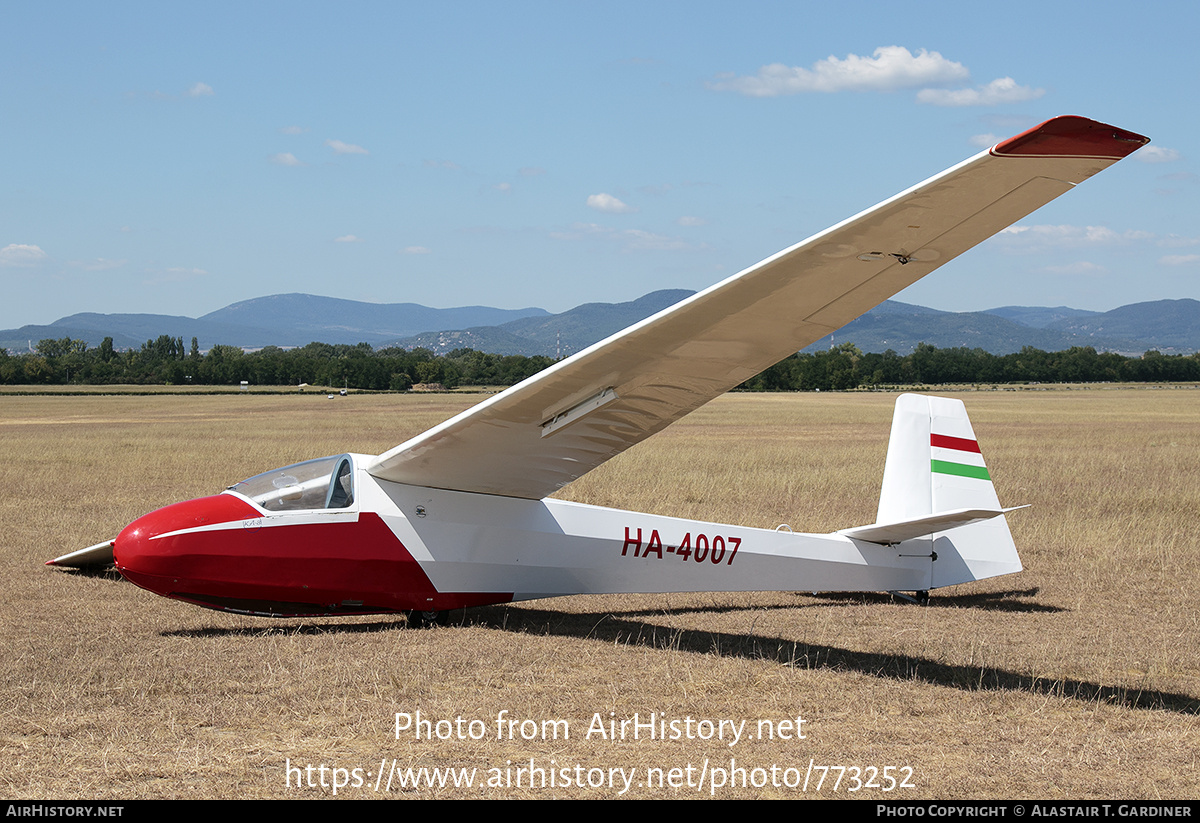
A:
x: 166, y: 361
x: 846, y: 367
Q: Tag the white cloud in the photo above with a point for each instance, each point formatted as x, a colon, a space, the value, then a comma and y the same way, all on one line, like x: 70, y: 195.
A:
x: 530, y: 171
x: 347, y: 238
x: 415, y: 250
x: 636, y: 239
x: 607, y: 203
x: 293, y: 130
x: 345, y: 148
x: 1079, y: 267
x: 99, y: 264
x: 1179, y: 259
x: 691, y: 221
x: 1036, y: 238
x: 1157, y: 154
x: 629, y: 239
x: 200, y: 90
x: 984, y: 141
x: 19, y: 255
x: 1001, y: 90
x: 285, y: 158
x: 1177, y: 241
x: 504, y: 187
x: 890, y: 68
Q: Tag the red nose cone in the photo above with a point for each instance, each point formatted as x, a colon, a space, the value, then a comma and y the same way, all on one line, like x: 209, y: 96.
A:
x: 152, y: 551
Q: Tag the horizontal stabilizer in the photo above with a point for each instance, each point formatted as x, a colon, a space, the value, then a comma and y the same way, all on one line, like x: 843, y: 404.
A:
x: 100, y: 554
x: 888, y: 533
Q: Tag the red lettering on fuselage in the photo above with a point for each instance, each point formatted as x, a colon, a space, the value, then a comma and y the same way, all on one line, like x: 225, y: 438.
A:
x: 720, y: 550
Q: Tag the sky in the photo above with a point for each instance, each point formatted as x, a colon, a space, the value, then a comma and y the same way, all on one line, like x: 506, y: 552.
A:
x: 174, y: 158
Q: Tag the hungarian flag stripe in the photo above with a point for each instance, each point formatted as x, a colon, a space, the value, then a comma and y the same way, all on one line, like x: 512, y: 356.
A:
x: 945, y: 441
x: 959, y: 469
x: 960, y: 444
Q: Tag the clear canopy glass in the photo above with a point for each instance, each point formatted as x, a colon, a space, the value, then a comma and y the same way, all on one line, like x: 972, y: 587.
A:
x: 324, y: 483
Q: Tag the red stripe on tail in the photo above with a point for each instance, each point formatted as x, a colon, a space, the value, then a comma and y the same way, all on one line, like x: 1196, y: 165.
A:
x: 945, y: 441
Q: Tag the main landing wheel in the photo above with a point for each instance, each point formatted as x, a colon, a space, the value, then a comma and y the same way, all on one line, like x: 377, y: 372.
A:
x: 920, y: 598
x: 426, y: 620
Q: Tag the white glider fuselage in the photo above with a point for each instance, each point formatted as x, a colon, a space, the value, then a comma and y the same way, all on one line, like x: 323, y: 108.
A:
x: 327, y: 537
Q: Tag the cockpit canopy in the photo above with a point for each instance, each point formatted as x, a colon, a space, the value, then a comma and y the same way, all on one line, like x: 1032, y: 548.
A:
x: 324, y: 483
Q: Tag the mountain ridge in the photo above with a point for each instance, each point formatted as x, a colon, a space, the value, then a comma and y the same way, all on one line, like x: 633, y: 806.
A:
x: 290, y: 320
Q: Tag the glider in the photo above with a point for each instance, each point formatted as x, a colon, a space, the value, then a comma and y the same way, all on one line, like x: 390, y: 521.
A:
x: 461, y: 516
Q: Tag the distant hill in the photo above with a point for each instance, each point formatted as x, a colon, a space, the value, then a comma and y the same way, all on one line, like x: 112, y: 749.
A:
x: 1039, y: 317
x: 552, y: 335
x: 901, y: 326
x: 1168, y: 325
x: 891, y: 325
x: 1171, y: 326
x: 306, y: 317
x: 278, y: 320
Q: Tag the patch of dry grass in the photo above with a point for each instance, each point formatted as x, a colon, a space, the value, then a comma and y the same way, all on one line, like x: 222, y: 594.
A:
x: 1078, y: 678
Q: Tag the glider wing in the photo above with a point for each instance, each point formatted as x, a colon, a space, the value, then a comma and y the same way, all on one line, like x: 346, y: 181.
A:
x: 541, y: 434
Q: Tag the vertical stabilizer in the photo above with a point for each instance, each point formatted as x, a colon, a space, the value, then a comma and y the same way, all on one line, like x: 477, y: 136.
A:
x: 934, y: 466
x: 934, y: 463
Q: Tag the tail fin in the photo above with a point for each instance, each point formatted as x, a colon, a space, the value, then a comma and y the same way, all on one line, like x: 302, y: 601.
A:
x: 934, y: 463
x: 936, y: 486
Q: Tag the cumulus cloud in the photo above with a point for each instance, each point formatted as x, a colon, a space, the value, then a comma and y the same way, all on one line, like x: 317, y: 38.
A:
x: 629, y: 239
x: 984, y: 141
x: 1178, y: 241
x: 285, y: 158
x: 200, y: 90
x: 1001, y: 90
x: 1079, y: 267
x: 607, y: 203
x: 347, y: 238
x: 1179, y: 259
x: 888, y: 69
x: 1031, y: 238
x: 687, y: 220
x: 503, y: 187
x: 20, y: 255
x: 293, y: 130
x: 345, y: 148
x: 638, y: 239
x: 415, y: 250
x: 1157, y: 154
x: 99, y: 264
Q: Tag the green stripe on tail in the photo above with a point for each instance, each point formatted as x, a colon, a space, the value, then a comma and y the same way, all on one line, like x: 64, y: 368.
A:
x: 959, y: 469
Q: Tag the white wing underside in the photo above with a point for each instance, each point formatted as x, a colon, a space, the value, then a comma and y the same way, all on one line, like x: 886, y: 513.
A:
x: 541, y: 434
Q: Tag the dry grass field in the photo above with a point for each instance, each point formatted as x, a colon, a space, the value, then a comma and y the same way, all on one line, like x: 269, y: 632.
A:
x: 1079, y: 678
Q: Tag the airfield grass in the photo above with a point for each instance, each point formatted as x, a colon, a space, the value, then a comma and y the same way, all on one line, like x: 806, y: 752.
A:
x: 1079, y: 678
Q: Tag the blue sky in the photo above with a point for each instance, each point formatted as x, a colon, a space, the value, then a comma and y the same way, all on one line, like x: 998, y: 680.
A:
x: 174, y: 158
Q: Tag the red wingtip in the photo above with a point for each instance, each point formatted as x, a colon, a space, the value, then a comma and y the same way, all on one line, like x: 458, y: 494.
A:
x: 1071, y: 136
